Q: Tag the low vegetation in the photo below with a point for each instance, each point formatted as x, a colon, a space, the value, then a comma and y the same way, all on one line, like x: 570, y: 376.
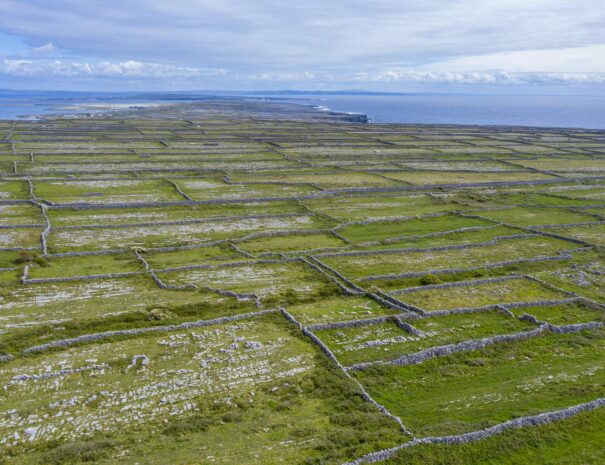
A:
x: 232, y: 282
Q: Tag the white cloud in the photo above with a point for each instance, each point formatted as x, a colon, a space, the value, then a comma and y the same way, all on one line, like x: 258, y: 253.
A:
x: 588, y: 59
x: 137, y: 70
x: 339, y: 42
x: 103, y: 69
x: 43, y: 50
x: 313, y: 35
x: 279, y: 77
x: 476, y: 77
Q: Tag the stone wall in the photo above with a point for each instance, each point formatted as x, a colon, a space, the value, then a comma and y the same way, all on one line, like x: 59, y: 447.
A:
x: 136, y: 331
x: 332, y: 357
x: 488, y: 266
x: 441, y: 351
x: 522, y: 422
x: 441, y: 248
x: 473, y: 282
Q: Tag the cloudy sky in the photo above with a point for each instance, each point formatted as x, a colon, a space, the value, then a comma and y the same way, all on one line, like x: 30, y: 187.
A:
x: 391, y: 45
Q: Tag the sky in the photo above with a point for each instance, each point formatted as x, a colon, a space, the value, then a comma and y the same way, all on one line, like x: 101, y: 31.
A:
x: 380, y: 45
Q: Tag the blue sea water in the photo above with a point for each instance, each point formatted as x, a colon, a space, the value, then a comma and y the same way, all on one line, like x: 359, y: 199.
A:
x: 513, y: 110
x: 29, y: 104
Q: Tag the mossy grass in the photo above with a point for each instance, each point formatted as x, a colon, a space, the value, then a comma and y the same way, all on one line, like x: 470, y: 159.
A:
x: 337, y: 308
x: 417, y: 262
x: 572, y: 313
x: 153, y: 314
x: 312, y: 417
x: 292, y: 243
x: 353, y: 208
x: 481, y: 294
x: 386, y: 341
x: 567, y: 442
x: 593, y: 234
x: 444, y: 177
x: 421, y: 226
x: 473, y: 390
x: 531, y: 216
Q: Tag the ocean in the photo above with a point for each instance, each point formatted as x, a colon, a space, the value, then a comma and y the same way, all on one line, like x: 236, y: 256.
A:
x: 31, y: 104
x: 513, y: 110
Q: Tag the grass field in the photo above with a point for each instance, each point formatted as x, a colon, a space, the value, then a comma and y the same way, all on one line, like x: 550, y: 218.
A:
x: 240, y: 282
x: 467, y: 392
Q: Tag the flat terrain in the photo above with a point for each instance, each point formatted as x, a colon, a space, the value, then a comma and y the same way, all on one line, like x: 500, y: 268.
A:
x: 233, y: 282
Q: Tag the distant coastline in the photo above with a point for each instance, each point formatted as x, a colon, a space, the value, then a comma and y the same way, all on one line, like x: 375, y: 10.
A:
x: 546, y: 111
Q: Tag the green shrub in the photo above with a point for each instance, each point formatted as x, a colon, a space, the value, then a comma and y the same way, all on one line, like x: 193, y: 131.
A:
x: 193, y: 424
x: 429, y: 279
x: 159, y: 314
x: 85, y: 451
x: 30, y: 257
x: 291, y: 296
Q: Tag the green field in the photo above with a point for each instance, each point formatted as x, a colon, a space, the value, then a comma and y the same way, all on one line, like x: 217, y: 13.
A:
x: 240, y: 282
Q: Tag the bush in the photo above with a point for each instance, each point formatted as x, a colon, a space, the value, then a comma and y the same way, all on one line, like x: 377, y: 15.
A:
x: 429, y: 279
x: 159, y: 314
x: 328, y: 291
x: 194, y: 424
x: 85, y: 451
x: 291, y: 296
x: 30, y: 257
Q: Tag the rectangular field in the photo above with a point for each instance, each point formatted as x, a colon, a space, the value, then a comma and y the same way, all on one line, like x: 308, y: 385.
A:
x: 472, y: 390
